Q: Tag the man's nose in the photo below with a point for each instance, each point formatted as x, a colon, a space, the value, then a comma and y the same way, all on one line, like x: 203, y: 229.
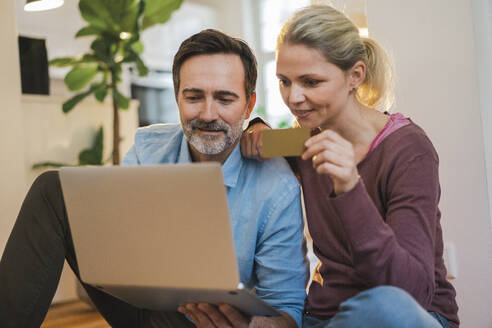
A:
x: 296, y: 94
x: 209, y: 111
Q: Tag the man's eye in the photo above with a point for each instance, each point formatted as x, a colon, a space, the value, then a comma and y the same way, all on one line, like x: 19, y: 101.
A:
x: 192, y: 98
x: 225, y: 100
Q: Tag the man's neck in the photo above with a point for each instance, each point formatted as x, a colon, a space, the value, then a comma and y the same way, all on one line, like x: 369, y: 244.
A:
x: 196, y: 156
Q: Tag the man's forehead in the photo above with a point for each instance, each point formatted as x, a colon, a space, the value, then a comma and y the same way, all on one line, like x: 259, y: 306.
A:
x: 213, y: 72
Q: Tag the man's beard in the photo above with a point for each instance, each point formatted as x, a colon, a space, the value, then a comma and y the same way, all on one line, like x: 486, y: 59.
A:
x: 212, y: 144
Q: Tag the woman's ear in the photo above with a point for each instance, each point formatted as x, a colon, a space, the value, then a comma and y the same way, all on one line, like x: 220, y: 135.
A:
x: 357, y: 75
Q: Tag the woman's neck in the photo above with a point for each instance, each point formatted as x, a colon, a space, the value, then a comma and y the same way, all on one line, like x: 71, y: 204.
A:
x: 360, y: 125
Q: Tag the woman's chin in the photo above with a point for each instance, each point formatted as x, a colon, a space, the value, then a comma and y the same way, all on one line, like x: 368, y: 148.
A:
x: 307, y: 123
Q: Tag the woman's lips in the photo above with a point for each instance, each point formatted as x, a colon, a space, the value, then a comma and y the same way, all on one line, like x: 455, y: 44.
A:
x: 303, y: 113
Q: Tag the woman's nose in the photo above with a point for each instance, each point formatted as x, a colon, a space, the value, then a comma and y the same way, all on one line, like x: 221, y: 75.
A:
x: 296, y: 94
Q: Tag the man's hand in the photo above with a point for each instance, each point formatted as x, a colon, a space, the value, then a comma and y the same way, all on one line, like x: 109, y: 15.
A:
x: 205, y: 315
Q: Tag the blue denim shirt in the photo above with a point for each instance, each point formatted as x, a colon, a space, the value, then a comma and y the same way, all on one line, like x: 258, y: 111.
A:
x: 265, y: 211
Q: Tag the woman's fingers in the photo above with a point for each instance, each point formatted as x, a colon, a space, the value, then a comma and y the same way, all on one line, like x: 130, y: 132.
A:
x: 259, y: 145
x: 251, y: 142
x: 327, y: 135
x: 334, y: 156
x: 326, y: 140
x: 244, y: 144
x: 338, y: 159
x: 325, y: 145
x: 254, y: 138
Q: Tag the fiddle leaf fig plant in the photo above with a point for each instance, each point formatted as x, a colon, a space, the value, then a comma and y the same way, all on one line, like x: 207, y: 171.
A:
x: 116, y: 26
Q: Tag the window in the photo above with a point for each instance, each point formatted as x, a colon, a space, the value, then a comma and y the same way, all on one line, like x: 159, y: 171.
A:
x: 272, y: 14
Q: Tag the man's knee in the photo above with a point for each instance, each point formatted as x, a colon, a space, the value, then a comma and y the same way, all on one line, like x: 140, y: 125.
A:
x: 46, y: 187
x: 46, y: 180
x: 44, y: 201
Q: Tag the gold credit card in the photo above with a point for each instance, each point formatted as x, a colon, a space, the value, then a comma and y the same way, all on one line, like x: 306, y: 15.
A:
x: 284, y: 142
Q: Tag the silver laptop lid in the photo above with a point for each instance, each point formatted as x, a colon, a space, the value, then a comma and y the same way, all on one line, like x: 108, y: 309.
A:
x: 151, y: 226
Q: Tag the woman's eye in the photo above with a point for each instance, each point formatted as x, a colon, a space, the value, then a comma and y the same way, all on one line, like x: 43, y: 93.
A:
x: 283, y: 82
x: 312, y: 83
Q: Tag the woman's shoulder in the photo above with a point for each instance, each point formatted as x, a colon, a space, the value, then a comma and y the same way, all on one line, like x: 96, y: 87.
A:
x: 408, y: 141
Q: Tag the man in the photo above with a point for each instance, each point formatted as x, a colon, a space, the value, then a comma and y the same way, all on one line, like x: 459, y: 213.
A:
x: 214, y: 79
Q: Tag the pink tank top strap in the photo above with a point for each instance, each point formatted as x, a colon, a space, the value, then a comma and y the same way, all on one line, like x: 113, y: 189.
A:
x: 395, y: 122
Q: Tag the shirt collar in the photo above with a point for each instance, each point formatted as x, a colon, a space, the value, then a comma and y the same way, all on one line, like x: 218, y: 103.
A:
x: 184, y: 152
x: 230, y: 169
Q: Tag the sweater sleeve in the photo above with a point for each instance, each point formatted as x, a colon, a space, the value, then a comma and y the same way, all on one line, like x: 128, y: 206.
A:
x: 397, y: 250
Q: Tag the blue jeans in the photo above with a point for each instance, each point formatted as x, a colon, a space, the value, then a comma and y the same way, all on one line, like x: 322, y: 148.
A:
x: 380, y: 307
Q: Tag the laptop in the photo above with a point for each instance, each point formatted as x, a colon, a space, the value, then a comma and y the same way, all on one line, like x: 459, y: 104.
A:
x: 156, y: 236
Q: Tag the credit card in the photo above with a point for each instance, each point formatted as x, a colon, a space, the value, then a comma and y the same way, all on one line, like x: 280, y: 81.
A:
x: 284, y: 142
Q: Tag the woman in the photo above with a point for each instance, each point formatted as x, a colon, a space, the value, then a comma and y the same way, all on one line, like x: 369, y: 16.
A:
x: 370, y: 182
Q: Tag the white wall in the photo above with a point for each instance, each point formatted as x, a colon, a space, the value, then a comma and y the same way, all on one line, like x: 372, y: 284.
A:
x: 482, y: 19
x: 57, y: 137
x: 33, y: 128
x: 12, y: 180
x: 437, y: 85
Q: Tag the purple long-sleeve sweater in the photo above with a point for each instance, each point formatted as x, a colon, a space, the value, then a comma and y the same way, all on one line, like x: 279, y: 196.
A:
x: 385, y: 231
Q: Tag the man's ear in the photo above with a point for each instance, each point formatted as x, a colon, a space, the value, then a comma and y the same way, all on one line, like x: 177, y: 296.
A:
x: 251, y: 105
x: 357, y: 74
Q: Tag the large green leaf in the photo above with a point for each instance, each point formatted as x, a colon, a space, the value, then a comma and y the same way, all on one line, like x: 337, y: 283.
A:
x: 43, y: 165
x: 88, y: 58
x: 131, y: 56
x: 93, y: 155
x: 72, y: 61
x: 88, y: 30
x: 137, y: 46
x: 102, y: 49
x: 72, y: 102
x: 80, y: 76
x: 121, y: 101
x: 159, y: 11
x: 63, y: 61
x: 101, y: 93
x: 97, y: 13
x: 129, y: 15
x: 142, y: 68
x: 111, y: 16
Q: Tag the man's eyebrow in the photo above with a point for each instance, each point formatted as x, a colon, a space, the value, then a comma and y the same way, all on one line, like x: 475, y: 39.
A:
x: 192, y: 90
x: 222, y: 93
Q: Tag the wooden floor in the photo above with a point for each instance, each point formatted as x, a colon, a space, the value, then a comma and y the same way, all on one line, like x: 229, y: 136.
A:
x: 73, y: 315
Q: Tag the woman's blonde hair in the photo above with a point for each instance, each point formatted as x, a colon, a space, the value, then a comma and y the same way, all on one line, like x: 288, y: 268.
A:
x: 324, y: 28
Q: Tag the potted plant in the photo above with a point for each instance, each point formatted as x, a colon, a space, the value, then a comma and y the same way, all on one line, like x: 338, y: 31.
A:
x: 116, y: 26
